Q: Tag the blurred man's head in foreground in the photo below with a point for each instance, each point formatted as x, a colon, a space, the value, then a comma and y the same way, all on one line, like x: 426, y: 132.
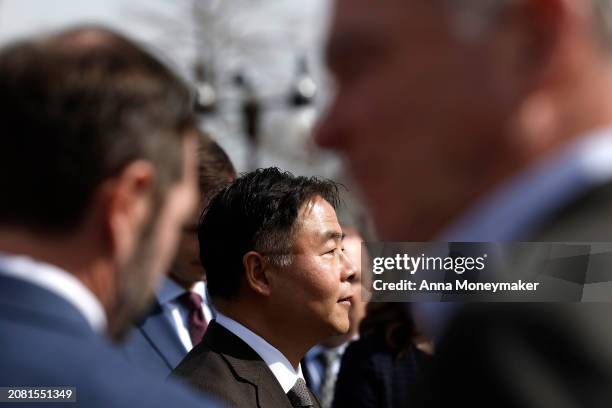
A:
x: 439, y: 101
x: 99, y: 150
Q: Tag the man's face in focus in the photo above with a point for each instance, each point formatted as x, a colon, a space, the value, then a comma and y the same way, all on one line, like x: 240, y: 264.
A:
x: 315, y: 290
x: 352, y: 249
x: 413, y: 113
x: 157, y: 246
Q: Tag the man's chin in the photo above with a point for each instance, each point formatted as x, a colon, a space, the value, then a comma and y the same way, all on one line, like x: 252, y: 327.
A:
x: 119, y: 332
x: 341, y: 326
x: 131, y: 308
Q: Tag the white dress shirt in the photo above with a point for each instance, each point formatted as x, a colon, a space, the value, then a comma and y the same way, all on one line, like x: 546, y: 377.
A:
x: 176, y: 313
x: 276, y: 361
x: 57, y: 281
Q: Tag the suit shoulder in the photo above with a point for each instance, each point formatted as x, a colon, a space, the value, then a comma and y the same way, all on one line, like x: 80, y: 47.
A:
x: 101, y: 375
x: 209, y: 372
x: 199, y: 360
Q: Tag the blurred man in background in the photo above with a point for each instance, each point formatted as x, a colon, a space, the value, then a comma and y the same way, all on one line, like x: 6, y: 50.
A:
x: 99, y: 177
x: 181, y: 311
x: 322, y: 362
x: 486, y: 121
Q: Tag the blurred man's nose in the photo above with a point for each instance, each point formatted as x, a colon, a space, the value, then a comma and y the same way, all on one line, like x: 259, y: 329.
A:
x: 328, y: 133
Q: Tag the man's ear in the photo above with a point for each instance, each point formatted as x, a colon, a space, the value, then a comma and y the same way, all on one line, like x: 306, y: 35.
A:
x: 128, y: 205
x: 547, y: 20
x: 256, y: 268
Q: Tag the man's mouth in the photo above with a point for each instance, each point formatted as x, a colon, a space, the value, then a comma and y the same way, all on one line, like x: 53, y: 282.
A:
x: 347, y: 300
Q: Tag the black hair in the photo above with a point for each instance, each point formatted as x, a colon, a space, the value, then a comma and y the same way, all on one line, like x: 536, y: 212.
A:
x: 257, y: 212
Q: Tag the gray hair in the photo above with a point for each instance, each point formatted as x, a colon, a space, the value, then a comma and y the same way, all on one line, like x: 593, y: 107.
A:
x: 472, y: 18
x: 602, y: 14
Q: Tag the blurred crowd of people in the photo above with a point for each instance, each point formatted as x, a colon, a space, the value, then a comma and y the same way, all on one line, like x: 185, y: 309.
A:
x: 139, y: 267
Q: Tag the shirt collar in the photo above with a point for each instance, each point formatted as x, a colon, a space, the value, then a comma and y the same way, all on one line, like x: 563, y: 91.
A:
x: 275, y: 360
x: 59, y: 282
x: 517, y: 206
x: 200, y: 289
x: 170, y: 290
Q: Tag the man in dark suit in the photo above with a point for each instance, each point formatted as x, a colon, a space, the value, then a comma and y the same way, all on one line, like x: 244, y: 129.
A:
x: 181, y: 311
x: 280, y: 282
x: 493, y: 122
x: 100, y: 174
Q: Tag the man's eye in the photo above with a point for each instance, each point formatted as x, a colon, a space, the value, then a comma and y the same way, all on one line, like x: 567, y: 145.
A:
x: 190, y: 229
x: 335, y: 251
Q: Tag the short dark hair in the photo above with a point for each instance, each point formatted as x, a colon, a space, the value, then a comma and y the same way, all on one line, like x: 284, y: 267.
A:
x: 257, y: 212
x: 77, y: 107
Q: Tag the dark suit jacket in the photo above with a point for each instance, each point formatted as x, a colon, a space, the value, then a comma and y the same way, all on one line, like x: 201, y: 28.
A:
x: 45, y: 341
x: 225, y: 366
x: 371, y: 376
x: 154, y: 344
x: 532, y: 354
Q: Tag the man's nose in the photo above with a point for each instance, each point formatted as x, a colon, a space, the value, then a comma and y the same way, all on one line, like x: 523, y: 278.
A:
x: 328, y: 133
x: 348, y: 268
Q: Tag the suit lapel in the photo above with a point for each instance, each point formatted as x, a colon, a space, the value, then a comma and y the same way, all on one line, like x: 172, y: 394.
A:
x: 247, y: 365
x: 269, y: 391
x: 161, y: 335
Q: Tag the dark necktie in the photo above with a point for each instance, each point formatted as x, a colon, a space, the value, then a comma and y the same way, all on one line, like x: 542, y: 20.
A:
x: 299, y: 395
x: 196, y: 321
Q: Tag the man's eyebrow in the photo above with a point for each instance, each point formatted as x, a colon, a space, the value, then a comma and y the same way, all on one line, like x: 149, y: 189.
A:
x: 335, y: 235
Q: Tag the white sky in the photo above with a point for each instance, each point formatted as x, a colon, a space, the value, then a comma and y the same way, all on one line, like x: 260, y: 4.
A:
x: 24, y: 17
x: 285, y: 27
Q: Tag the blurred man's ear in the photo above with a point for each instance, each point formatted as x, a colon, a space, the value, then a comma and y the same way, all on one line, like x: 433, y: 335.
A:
x: 531, y: 35
x: 546, y: 21
x: 256, y: 268
x: 548, y: 13
x: 128, y: 206
x: 552, y: 54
